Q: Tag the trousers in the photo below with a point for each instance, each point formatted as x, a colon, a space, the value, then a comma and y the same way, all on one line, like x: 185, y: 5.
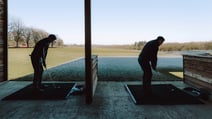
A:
x: 38, y: 71
x: 147, y: 73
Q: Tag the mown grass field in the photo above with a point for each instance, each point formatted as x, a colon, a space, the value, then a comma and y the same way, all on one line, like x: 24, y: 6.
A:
x: 19, y: 63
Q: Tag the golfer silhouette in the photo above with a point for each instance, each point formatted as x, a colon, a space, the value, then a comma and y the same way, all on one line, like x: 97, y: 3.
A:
x: 149, y: 55
x: 38, y: 59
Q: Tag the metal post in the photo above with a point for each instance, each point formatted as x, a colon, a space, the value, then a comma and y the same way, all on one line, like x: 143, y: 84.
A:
x: 88, y: 72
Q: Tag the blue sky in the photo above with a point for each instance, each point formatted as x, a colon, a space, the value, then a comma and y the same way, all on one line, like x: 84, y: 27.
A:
x: 119, y: 21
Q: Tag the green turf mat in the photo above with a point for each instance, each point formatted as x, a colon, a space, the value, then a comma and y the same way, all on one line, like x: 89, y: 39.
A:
x: 162, y: 94
x: 53, y: 91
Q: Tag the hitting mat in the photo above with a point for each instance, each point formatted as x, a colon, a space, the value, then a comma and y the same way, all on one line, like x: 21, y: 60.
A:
x: 52, y: 91
x: 162, y: 94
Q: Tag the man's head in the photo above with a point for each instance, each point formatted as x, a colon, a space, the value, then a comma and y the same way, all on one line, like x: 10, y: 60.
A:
x: 160, y: 40
x: 52, y: 37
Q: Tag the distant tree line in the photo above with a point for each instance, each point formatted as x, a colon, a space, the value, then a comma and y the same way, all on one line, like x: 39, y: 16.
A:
x: 177, y: 46
x: 23, y: 36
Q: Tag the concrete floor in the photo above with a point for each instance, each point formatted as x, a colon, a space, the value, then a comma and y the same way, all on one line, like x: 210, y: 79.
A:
x: 111, y: 101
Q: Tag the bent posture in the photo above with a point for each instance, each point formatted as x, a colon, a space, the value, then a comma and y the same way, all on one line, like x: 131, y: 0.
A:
x: 38, y: 59
x: 147, y: 59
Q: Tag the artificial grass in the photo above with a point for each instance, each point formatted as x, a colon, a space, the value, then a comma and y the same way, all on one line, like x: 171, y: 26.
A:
x: 53, y: 91
x: 162, y: 94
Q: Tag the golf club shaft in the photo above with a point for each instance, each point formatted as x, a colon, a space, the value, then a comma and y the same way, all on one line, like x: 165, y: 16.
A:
x: 50, y: 77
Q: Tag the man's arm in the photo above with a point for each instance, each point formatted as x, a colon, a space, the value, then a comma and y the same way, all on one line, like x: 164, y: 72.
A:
x: 44, y: 57
x: 154, y: 64
x: 154, y: 58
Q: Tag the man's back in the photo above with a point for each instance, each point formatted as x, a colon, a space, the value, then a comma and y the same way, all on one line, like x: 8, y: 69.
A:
x: 39, y: 47
x: 149, y: 51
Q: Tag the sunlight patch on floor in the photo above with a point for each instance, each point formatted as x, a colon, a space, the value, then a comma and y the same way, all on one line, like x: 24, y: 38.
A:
x: 177, y: 74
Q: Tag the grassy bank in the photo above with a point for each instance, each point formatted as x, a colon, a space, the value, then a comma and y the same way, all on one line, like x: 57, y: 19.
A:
x: 19, y: 62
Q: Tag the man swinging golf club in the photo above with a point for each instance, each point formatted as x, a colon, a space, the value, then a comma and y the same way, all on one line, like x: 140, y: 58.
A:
x: 38, y: 59
x: 147, y: 59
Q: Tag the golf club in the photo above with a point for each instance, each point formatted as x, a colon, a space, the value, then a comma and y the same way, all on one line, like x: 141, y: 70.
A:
x: 51, y: 79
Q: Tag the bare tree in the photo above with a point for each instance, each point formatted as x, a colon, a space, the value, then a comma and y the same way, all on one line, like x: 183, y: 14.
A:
x: 17, y: 32
x: 139, y: 45
x: 59, y: 42
x: 38, y: 34
x: 35, y: 35
x: 27, y: 34
x: 10, y: 38
x: 16, y: 28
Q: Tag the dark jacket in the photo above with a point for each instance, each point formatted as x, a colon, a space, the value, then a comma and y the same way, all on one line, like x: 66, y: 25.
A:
x: 40, y: 50
x: 149, y: 53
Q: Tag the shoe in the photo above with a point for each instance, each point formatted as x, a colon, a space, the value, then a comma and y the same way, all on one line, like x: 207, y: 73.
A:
x: 37, y: 89
x: 40, y: 90
x: 43, y: 87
